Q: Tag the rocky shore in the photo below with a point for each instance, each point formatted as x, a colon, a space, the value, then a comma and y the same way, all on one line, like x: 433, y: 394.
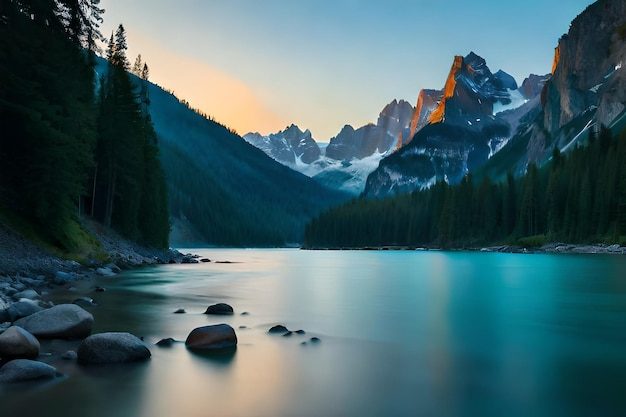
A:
x: 561, y: 248
x: 547, y: 248
x: 28, y: 271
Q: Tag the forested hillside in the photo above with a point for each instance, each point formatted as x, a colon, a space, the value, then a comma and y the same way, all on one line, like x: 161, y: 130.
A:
x: 231, y: 192
x: 576, y: 197
x: 71, y: 144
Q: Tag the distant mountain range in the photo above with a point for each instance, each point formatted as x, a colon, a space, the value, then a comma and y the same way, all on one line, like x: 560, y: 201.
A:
x: 474, y: 100
x: 480, y: 122
x: 349, y: 157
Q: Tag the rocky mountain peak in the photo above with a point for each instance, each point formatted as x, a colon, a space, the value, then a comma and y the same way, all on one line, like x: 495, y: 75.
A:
x: 588, y: 67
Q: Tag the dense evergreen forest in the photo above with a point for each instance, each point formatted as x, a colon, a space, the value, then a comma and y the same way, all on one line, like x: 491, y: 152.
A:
x: 578, y: 197
x: 73, y: 144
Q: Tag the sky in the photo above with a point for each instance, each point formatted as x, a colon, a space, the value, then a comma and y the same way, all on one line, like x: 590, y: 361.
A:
x: 261, y: 65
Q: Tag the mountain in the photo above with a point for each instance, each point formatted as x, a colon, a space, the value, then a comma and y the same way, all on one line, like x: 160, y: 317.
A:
x: 587, y: 70
x: 586, y: 91
x: 349, y: 157
x: 564, y: 148
x: 225, y: 191
x: 290, y: 147
x: 457, y: 129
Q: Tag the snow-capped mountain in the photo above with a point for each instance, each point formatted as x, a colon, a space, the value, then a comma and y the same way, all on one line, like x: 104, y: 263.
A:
x: 349, y: 157
x: 291, y: 147
x: 457, y: 129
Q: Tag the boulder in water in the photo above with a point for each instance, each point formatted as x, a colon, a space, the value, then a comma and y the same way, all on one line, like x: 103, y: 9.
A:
x: 63, y: 321
x: 20, y: 370
x: 218, y: 336
x: 112, y: 347
x: 16, y: 342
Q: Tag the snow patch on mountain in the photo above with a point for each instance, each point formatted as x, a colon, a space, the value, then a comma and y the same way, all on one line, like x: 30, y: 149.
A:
x: 517, y: 100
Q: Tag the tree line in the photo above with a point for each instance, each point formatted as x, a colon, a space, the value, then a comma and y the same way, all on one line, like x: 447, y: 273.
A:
x: 72, y: 143
x: 578, y: 197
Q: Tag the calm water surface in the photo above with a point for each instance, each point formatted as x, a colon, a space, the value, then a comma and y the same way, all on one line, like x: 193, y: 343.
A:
x: 402, y: 334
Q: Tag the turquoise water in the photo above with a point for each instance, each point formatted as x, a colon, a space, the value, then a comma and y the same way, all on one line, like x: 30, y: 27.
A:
x: 402, y: 334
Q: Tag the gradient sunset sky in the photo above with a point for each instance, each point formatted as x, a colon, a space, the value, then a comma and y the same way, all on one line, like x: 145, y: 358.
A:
x: 260, y: 65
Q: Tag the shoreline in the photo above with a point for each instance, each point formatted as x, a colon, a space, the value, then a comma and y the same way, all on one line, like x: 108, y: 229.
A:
x: 28, y: 272
x: 549, y: 248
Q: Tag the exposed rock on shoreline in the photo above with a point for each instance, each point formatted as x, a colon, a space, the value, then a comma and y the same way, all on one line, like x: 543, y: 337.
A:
x: 561, y: 248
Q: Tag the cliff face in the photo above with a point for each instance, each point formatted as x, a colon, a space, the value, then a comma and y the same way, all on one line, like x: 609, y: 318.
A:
x: 472, y: 91
x: 438, y: 114
x: 395, y: 119
x: 587, y: 72
x: 392, y: 127
x: 360, y: 143
x: 427, y: 102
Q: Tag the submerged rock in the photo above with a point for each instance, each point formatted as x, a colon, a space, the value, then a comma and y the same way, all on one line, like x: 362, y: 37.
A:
x: 15, y: 342
x: 70, y: 355
x: 180, y: 311
x: 20, y: 370
x: 218, y: 336
x: 63, y: 321
x: 221, y: 309
x: 112, y: 347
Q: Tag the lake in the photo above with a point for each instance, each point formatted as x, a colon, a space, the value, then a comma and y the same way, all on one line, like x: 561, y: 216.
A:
x: 402, y: 333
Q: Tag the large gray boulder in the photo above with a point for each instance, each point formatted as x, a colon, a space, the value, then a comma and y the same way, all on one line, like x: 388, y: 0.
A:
x: 16, y: 342
x: 218, y: 336
x: 63, y: 321
x: 20, y: 370
x: 22, y: 308
x: 112, y: 347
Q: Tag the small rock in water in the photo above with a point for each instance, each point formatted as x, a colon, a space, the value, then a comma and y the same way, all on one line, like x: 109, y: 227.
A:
x: 113, y: 268
x: 300, y: 331
x: 61, y: 278
x: 315, y: 340
x: 166, y: 342
x: 85, y: 302
x: 245, y: 313
x: 106, y: 272
x: 205, y: 260
x: 243, y: 327
x: 28, y: 294
x: 279, y: 328
x: 70, y: 355
x: 180, y: 311
x: 100, y: 289
x: 221, y: 309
